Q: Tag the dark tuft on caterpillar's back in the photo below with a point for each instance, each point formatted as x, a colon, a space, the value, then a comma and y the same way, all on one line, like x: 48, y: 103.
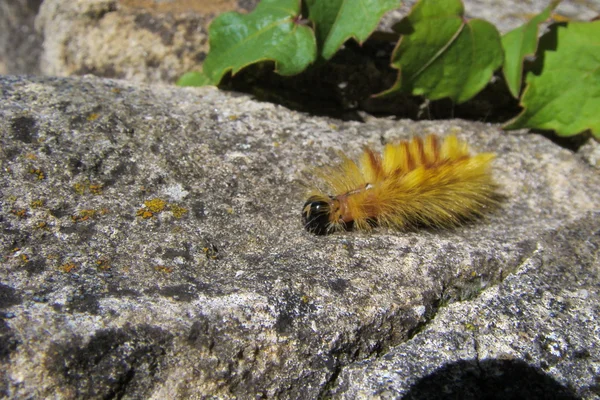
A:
x: 431, y: 181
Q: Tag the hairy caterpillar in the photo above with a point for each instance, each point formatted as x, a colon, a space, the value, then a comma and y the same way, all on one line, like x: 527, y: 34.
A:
x: 433, y: 182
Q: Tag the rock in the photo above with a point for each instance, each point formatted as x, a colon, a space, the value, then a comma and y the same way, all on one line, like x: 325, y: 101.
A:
x: 20, y: 44
x: 533, y: 336
x: 153, y: 248
x: 136, y: 40
x: 158, y: 41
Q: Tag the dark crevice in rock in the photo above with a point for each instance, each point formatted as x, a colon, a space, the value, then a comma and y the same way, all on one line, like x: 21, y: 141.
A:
x: 330, y: 383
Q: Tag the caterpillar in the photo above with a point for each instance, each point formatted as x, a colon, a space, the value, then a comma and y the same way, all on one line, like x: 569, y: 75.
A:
x: 420, y: 182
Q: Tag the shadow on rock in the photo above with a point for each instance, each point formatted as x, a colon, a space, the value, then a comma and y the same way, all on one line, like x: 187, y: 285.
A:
x: 490, y: 379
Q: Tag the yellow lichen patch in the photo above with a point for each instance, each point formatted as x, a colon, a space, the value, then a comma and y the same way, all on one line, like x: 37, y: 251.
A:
x: 177, y: 211
x: 229, y: 210
x: 79, y: 188
x: 24, y: 258
x: 155, y: 205
x: 83, y: 215
x: 233, y: 117
x: 30, y: 156
x: 37, y: 203
x: 39, y: 174
x: 93, y: 116
x: 68, y: 267
x: 164, y: 269
x: 19, y: 212
x: 151, y: 207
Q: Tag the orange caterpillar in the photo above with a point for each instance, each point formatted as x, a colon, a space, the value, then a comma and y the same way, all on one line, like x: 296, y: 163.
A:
x: 416, y: 182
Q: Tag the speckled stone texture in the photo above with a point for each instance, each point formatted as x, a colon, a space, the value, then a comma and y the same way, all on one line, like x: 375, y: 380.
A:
x: 152, y: 247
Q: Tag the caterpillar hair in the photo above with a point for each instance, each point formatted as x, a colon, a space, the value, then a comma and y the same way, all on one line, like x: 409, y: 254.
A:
x: 432, y: 182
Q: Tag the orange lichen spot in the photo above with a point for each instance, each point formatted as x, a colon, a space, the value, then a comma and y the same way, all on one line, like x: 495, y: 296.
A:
x: 37, y: 172
x: 211, y: 252
x: 93, y: 116
x: 42, y: 225
x: 177, y: 211
x: 19, y: 212
x: 16, y: 249
x: 144, y: 213
x: 83, y: 215
x: 164, y: 269
x: 103, y: 264
x: 115, y: 90
x: 103, y: 211
x: 24, y: 258
x: 151, y: 207
x: 30, y: 156
x: 95, y: 188
x: 233, y: 117
x: 37, y: 203
x: 82, y: 187
x: 68, y: 267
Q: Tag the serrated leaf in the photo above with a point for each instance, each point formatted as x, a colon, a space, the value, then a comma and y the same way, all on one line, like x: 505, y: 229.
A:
x: 193, y: 79
x: 563, y: 91
x: 440, y: 54
x: 520, y: 43
x: 270, y: 33
x: 337, y: 21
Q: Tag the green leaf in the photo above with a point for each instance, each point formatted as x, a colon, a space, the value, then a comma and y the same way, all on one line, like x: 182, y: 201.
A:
x: 520, y: 43
x: 563, y: 91
x: 442, y: 55
x: 193, y: 79
x: 339, y: 20
x: 270, y: 33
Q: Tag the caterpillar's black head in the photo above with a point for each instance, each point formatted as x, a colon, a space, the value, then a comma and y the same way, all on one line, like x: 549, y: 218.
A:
x: 316, y: 215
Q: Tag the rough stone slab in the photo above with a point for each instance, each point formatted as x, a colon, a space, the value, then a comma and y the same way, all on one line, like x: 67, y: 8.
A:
x: 221, y: 292
x: 534, y: 336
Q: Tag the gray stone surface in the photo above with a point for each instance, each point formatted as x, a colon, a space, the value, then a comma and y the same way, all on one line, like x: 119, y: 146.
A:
x: 507, y: 15
x: 222, y: 293
x: 533, y: 336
